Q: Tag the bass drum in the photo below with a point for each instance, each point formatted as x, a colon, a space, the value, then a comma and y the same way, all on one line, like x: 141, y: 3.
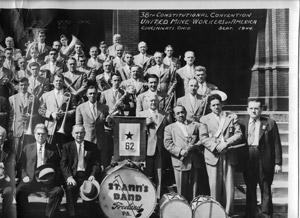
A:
x: 173, y: 205
x: 206, y: 206
x: 127, y: 192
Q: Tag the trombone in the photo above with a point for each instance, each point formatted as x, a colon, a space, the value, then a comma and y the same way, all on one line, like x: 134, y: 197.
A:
x: 67, y: 99
x: 29, y: 128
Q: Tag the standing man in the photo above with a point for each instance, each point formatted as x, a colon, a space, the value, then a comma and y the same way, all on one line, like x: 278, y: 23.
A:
x: 118, y: 61
x: 90, y: 72
x: 78, y: 52
x: 172, y: 62
x: 36, y: 155
x: 79, y: 162
x: 64, y: 43
x: 143, y: 59
x: 124, y: 71
x: 112, y: 49
x: 94, y: 62
x: 61, y: 58
x: 6, y: 76
x: 263, y: 158
x: 156, y: 120
x: 166, y: 77
x: 220, y: 130
x: 103, y: 51
x: 7, y: 165
x: 43, y: 49
x: 37, y: 85
x: 186, y: 73
x: 93, y: 115
x: 204, y: 87
x: 182, y: 140
x: 4, y: 112
x: 9, y: 62
x: 104, y: 80
x: 193, y: 102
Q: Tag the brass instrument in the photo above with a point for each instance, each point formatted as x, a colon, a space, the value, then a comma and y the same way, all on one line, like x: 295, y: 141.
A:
x: 69, y: 86
x: 2, y: 48
x: 171, y: 94
x: 29, y: 128
x: 29, y: 46
x: 115, y: 108
x: 69, y: 51
x: 147, y: 65
x: 62, y: 127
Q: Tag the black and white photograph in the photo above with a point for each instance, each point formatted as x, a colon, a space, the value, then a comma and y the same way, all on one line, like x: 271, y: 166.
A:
x: 150, y: 109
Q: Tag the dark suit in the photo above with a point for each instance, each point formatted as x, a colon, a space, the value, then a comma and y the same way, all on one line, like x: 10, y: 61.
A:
x: 4, y: 112
x: 259, y: 163
x: 68, y: 165
x: 7, y: 158
x: 28, y: 167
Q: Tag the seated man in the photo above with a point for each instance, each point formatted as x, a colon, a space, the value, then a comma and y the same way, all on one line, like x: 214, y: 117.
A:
x: 79, y: 162
x: 33, y: 156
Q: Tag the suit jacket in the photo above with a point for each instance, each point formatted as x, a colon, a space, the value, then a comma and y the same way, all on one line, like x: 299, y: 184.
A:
x: 28, y: 160
x: 270, y: 149
x: 4, y: 112
x: 193, y: 113
x: 142, y: 102
x: 124, y: 72
x: 102, y: 83
x: 94, y: 65
x: 175, y: 63
x: 141, y: 60
x: 49, y: 104
x: 167, y: 77
x: 94, y: 126
x: 107, y: 97
x: 40, y: 87
x: 69, y: 159
x: 118, y: 63
x: 77, y: 81
x: 16, y: 122
x: 6, y: 89
x: 174, y: 141
x: 231, y: 133
x: 44, y: 52
x: 59, y: 68
x: 8, y: 160
x: 155, y: 131
x: 11, y: 65
x: 184, y: 76
x: 209, y: 88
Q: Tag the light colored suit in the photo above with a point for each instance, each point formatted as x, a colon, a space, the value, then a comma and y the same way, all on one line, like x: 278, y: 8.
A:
x: 155, y: 140
x: 174, y: 63
x: 185, y: 76
x: 94, y: 64
x: 39, y: 87
x: 185, y: 168
x: 209, y: 87
x: 118, y: 63
x: 193, y: 112
x: 220, y: 166
x: 143, y: 104
x: 141, y: 60
x: 166, y: 77
x: 76, y: 80
x: 124, y: 72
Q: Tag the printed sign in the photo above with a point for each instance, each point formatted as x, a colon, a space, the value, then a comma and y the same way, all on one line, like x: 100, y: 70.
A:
x: 129, y: 139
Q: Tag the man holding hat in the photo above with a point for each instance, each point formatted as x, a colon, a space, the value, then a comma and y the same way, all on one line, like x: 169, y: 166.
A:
x: 39, y: 160
x: 79, y: 163
x: 6, y: 175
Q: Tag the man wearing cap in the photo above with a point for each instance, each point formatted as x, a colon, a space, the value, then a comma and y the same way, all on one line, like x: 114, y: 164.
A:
x: 7, y: 174
x: 262, y: 158
x: 220, y: 131
x: 156, y: 121
x: 34, y: 157
x: 193, y: 102
x: 182, y: 140
x: 79, y: 162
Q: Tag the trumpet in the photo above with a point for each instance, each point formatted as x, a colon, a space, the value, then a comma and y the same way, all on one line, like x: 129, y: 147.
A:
x: 29, y: 128
x: 69, y: 51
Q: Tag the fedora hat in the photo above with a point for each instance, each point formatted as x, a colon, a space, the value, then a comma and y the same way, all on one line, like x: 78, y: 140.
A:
x: 89, y: 190
x: 45, y: 173
x: 4, y: 179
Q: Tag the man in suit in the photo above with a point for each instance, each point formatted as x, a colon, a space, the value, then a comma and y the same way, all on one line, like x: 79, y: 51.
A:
x: 33, y: 156
x: 137, y: 85
x: 142, y: 103
x: 94, y: 62
x: 76, y: 82
x: 6, y: 76
x: 193, y: 102
x: 220, y: 130
x: 34, y: 57
x: 43, y: 49
x: 262, y: 158
x: 90, y: 72
x: 112, y: 50
x: 93, y: 115
x: 79, y: 162
x: 104, y: 80
x: 61, y: 58
x: 20, y: 114
x: 118, y: 61
x: 4, y: 112
x: 53, y: 106
x: 143, y: 59
x: 182, y: 140
x: 204, y: 87
x: 78, y: 52
x: 124, y: 71
x: 7, y: 163
x: 38, y: 85
x: 17, y: 53
x: 172, y: 62
x: 185, y: 73
x: 64, y: 43
x: 103, y: 51
x: 166, y: 77
x: 22, y: 72
x: 9, y: 62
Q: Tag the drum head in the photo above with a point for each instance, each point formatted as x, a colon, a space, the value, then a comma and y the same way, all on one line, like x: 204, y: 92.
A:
x: 127, y: 193
x: 176, y: 209
x: 209, y: 209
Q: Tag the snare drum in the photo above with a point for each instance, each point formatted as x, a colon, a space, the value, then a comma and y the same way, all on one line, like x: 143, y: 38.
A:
x: 206, y: 206
x: 127, y: 192
x: 173, y: 205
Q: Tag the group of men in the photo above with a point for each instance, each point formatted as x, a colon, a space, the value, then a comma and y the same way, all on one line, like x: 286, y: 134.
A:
x: 61, y: 107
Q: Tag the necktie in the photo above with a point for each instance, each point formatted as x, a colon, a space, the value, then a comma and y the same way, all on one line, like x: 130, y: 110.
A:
x: 116, y: 95
x: 40, y: 156
x: 1, y: 152
x: 193, y: 102
x: 94, y: 111
x: 251, y: 132
x: 80, y: 158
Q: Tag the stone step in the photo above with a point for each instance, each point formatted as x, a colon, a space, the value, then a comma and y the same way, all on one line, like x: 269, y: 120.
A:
x: 285, y: 147
x: 283, y: 126
x: 284, y: 136
x: 285, y: 159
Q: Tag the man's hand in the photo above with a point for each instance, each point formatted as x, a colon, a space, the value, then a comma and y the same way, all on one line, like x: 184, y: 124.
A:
x: 149, y: 120
x: 91, y: 178
x: 183, y: 153
x: 1, y: 165
x: 71, y: 181
x: 221, y: 147
x: 277, y: 169
x: 26, y: 179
